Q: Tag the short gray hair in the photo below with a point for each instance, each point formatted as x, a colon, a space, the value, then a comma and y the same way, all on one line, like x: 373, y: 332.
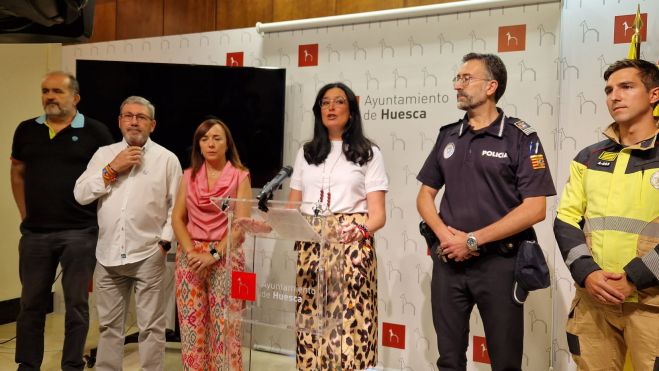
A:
x: 73, y: 82
x: 134, y: 99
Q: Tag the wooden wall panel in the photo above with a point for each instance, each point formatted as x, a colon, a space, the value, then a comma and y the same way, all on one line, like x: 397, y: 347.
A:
x: 105, y: 21
x: 242, y: 13
x: 285, y: 10
x: 190, y: 16
x: 143, y: 18
x: 409, y: 3
x: 352, y: 6
x: 128, y: 19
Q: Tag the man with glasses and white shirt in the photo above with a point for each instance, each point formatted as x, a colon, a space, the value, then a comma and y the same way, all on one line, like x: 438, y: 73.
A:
x: 135, y: 182
x: 495, y: 180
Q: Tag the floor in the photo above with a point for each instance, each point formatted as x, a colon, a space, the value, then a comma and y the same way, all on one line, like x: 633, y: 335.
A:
x: 55, y: 336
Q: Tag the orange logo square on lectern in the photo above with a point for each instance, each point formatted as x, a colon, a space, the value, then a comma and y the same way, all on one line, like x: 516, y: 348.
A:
x: 512, y: 38
x: 480, y: 350
x: 235, y: 59
x: 623, y: 28
x: 393, y: 335
x: 243, y: 286
x: 307, y: 55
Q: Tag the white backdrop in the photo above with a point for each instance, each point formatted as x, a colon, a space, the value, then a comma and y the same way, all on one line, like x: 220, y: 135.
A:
x: 555, y: 54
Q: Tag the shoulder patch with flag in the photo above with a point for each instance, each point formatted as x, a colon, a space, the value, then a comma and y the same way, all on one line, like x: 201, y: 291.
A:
x: 538, y: 161
x: 523, y: 126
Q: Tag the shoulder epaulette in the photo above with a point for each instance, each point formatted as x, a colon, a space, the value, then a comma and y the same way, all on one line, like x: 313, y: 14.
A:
x: 524, y: 127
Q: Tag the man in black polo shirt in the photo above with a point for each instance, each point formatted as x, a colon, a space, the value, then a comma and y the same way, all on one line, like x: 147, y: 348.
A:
x: 496, y: 180
x: 49, y: 153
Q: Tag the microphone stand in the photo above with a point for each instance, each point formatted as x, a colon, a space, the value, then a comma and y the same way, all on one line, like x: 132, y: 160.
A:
x: 263, y: 201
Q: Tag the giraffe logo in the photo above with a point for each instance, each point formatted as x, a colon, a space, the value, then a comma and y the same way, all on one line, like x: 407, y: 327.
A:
x: 623, y: 28
x: 307, y: 55
x: 512, y: 38
x: 393, y: 335
x: 480, y: 350
x: 235, y: 59
x: 243, y: 286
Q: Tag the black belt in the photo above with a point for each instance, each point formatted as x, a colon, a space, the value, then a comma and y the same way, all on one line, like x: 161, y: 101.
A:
x: 508, y: 246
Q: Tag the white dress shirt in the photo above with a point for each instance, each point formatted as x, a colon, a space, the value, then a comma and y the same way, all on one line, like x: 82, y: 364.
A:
x: 347, y: 182
x: 134, y: 213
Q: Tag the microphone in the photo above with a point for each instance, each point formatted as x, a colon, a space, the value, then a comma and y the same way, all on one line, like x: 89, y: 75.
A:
x: 272, y: 185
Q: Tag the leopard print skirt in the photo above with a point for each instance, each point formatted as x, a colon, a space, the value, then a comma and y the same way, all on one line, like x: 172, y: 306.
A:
x: 350, y: 343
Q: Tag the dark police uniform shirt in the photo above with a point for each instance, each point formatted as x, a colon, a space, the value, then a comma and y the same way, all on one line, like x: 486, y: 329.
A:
x: 486, y: 173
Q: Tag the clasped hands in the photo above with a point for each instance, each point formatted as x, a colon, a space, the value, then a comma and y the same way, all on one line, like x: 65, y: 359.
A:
x: 198, y: 261
x: 455, y: 246
x: 608, y: 287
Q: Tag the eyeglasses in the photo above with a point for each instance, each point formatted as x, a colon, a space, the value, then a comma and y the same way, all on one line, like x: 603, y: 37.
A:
x: 464, y: 80
x: 130, y: 116
x: 325, y: 103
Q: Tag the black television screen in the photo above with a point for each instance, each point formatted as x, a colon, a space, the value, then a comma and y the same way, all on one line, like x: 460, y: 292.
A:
x: 249, y: 100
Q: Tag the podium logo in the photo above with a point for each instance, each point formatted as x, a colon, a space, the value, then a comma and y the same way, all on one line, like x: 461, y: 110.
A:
x: 243, y: 286
x: 235, y: 59
x: 480, y: 350
x: 623, y: 28
x: 393, y: 335
x: 307, y: 55
x: 512, y: 38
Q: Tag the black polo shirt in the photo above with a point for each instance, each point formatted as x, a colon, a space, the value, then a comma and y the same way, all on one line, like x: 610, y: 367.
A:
x: 52, y: 167
x: 486, y: 173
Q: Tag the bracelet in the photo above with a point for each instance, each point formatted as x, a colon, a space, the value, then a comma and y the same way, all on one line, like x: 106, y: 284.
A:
x: 215, y: 254
x: 364, y: 230
x: 109, y: 174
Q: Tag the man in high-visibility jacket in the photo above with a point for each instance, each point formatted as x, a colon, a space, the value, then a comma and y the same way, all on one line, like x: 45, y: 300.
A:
x: 607, y: 229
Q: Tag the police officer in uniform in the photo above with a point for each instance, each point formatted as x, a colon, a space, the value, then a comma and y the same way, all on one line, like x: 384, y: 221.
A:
x: 496, y: 180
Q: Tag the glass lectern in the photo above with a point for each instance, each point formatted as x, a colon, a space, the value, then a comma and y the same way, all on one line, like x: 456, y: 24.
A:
x: 274, y: 296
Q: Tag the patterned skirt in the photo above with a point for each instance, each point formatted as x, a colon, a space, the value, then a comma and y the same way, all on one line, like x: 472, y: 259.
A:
x: 352, y: 345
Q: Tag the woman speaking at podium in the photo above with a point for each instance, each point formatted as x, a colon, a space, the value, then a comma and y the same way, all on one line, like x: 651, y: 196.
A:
x: 341, y: 172
x: 201, y: 230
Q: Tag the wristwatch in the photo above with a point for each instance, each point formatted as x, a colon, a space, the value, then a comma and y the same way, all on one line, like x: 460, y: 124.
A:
x: 472, y: 243
x: 166, y: 245
x: 215, y: 254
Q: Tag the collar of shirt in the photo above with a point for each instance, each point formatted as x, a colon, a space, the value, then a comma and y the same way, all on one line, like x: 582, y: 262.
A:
x: 612, y: 132
x: 145, y: 147
x: 78, y: 120
x: 492, y: 129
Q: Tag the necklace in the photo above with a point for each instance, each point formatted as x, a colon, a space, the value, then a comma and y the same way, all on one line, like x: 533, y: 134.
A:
x: 321, y: 197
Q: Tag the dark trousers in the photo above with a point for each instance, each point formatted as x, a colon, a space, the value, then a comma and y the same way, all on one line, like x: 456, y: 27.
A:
x: 486, y: 281
x: 39, y: 255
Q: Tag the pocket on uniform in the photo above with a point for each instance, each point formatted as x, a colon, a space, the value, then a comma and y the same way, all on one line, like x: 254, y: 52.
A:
x: 573, y: 344
x: 573, y: 307
x: 571, y: 328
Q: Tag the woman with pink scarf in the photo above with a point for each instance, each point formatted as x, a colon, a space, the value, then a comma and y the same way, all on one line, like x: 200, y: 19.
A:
x: 201, y: 229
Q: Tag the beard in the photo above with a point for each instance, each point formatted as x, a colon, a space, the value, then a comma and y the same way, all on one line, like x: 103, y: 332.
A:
x: 57, y: 111
x: 136, y: 139
x: 53, y: 109
x: 470, y: 101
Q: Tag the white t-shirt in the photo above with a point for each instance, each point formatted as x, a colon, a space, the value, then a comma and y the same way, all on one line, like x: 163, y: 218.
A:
x: 347, y: 182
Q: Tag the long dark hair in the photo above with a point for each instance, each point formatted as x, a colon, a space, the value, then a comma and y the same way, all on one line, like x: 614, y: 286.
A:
x: 356, y: 147
x: 197, y: 159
